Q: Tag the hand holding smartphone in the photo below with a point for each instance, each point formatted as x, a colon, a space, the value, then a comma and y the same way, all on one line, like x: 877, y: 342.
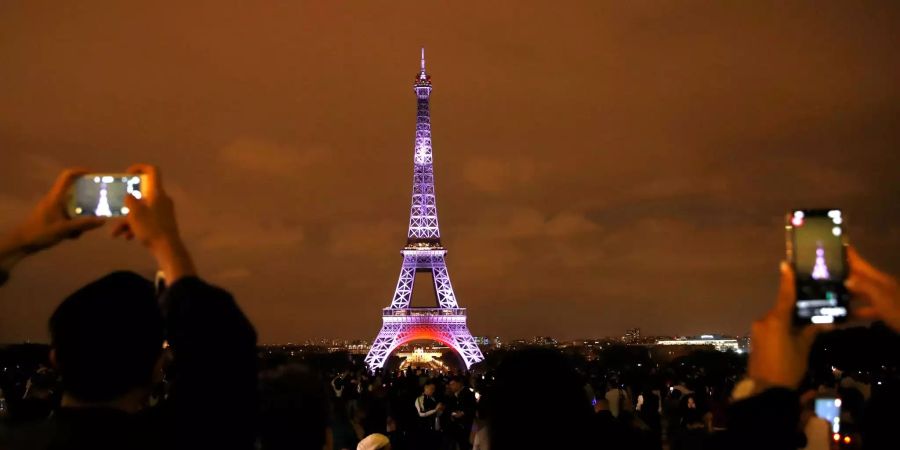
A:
x: 829, y: 408
x: 816, y: 250
x: 103, y: 195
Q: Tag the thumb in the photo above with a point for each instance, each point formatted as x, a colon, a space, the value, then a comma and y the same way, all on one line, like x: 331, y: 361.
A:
x: 134, y: 205
x: 784, y: 305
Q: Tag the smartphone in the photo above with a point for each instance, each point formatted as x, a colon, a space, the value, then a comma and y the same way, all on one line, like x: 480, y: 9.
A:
x: 817, y: 252
x: 103, y: 194
x: 829, y: 408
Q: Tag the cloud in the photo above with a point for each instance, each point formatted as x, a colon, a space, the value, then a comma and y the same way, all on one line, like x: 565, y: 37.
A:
x: 363, y: 238
x: 269, y: 158
x: 526, y: 223
x: 256, y: 236
x: 568, y: 224
x: 497, y: 176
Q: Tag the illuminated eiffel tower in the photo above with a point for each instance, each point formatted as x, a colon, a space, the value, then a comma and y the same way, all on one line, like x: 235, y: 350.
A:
x: 102, y: 209
x: 423, y: 253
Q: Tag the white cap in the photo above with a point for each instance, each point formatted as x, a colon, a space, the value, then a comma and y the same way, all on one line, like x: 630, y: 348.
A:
x: 374, y: 441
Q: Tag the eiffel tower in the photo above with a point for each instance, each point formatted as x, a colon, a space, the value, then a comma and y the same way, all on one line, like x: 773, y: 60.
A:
x: 403, y: 323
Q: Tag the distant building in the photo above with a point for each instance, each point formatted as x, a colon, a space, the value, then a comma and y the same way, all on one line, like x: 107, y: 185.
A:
x: 721, y: 344
x: 744, y: 343
x: 632, y: 336
x: 544, y: 341
x: 518, y: 343
x: 420, y: 358
x: 358, y: 347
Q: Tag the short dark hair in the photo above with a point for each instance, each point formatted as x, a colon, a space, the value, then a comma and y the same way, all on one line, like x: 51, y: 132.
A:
x: 107, y: 337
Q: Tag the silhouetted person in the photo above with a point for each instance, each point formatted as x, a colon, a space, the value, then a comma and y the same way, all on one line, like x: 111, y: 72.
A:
x: 672, y: 413
x: 461, y: 408
x: 429, y: 410
x: 293, y: 410
x: 607, y: 429
x: 107, y: 340
x: 538, y: 402
x: 347, y: 431
x: 649, y: 414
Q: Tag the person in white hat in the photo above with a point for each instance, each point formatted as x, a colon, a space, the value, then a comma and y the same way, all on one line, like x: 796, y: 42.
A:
x: 374, y: 441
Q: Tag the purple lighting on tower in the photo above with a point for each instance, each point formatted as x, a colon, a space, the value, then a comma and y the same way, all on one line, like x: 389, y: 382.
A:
x: 423, y: 221
x: 423, y: 253
x: 820, y: 269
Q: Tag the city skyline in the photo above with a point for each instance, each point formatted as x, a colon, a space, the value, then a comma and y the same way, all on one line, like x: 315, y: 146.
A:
x: 601, y: 166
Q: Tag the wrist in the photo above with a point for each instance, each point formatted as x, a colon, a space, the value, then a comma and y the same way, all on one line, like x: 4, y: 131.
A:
x: 12, y: 249
x: 173, y: 258
x: 163, y: 243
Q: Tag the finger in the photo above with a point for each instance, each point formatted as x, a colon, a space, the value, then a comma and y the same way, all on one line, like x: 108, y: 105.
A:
x: 859, y: 285
x: 866, y: 289
x: 135, y: 206
x: 152, y: 178
x: 867, y: 312
x: 859, y: 266
x: 121, y: 227
x: 784, y: 305
x: 65, y: 179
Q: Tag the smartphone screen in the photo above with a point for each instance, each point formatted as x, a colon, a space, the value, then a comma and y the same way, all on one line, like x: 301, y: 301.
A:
x: 829, y: 408
x: 817, y: 252
x: 103, y: 195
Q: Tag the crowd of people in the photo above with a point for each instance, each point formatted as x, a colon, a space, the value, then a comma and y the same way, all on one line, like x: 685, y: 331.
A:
x: 179, y: 368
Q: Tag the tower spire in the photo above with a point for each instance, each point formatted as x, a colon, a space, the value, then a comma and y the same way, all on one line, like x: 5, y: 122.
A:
x: 423, y: 80
x: 423, y: 220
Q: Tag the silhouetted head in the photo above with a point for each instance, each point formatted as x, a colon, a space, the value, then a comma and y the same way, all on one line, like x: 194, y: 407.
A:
x: 456, y: 384
x: 555, y: 409
x: 107, y: 337
x: 675, y: 393
x: 651, y: 402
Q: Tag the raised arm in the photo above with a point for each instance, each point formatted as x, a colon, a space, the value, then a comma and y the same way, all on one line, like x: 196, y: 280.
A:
x: 766, y: 411
x: 213, y: 397
x: 45, y: 227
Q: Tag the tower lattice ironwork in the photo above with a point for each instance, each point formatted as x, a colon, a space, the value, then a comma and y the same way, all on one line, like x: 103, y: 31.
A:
x: 403, y: 323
